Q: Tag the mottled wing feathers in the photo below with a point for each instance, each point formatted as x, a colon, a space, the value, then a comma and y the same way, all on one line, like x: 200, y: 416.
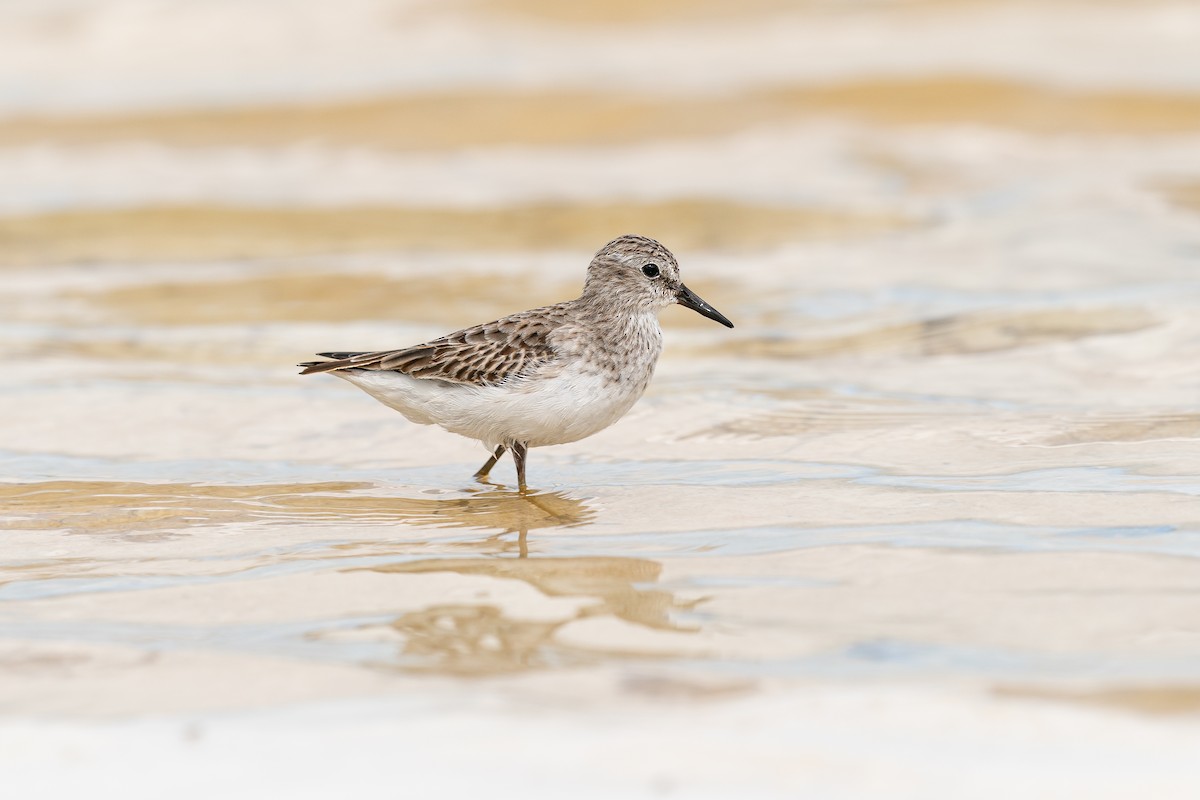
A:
x: 484, y: 354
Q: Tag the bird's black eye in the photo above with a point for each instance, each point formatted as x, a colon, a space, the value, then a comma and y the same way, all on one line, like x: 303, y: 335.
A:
x: 650, y: 270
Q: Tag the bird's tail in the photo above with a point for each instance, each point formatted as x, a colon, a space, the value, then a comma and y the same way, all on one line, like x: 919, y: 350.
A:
x: 341, y: 360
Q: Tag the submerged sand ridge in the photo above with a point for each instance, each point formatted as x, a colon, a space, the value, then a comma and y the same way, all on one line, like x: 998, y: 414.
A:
x: 191, y: 234
x: 116, y: 508
x: 456, y: 120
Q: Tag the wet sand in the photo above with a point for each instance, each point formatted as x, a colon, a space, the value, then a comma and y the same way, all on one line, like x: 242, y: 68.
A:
x: 925, y: 524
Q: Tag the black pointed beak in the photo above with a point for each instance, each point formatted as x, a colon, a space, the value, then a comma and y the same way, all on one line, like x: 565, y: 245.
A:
x: 689, y: 299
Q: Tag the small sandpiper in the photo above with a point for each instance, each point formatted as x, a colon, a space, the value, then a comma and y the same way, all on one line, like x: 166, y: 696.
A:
x: 551, y: 375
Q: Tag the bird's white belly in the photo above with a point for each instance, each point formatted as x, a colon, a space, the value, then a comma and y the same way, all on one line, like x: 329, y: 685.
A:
x: 538, y: 411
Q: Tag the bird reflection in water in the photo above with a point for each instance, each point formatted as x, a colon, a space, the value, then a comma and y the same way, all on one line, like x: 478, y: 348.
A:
x: 502, y: 512
x: 480, y: 639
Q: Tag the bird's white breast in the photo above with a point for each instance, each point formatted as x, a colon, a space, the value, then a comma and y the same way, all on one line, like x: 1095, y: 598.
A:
x: 567, y: 402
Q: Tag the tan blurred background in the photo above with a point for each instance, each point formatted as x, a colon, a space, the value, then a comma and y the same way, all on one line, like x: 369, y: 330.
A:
x: 926, y: 523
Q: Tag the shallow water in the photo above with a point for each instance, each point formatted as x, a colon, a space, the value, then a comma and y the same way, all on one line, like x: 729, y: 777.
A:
x: 926, y: 523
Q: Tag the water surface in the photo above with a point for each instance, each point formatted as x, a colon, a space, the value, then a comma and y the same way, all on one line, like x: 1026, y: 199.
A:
x: 928, y: 518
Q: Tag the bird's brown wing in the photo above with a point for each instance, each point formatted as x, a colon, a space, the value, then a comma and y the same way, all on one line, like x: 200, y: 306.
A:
x: 482, y: 355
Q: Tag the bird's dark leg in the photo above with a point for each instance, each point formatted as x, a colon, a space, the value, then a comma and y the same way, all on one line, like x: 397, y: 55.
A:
x: 491, y: 462
x: 520, y: 450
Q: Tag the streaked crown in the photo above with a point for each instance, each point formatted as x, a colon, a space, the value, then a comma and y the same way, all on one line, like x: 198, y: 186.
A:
x: 634, y: 271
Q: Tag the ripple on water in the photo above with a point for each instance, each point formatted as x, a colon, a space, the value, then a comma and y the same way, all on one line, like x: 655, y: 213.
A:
x: 949, y: 534
x: 1063, y: 479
